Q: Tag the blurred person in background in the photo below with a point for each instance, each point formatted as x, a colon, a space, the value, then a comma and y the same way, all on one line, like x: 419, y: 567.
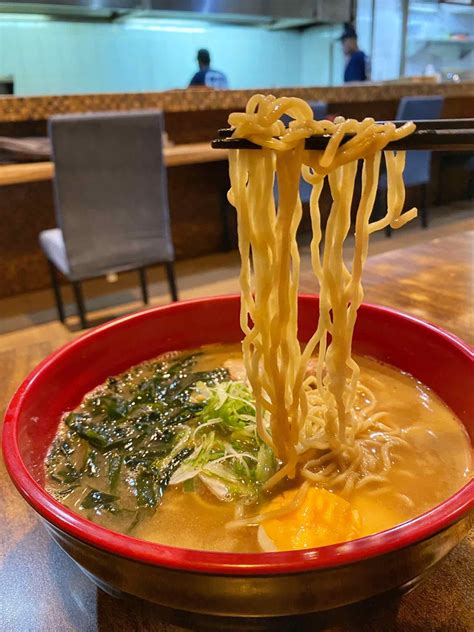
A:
x: 356, y: 60
x: 207, y: 76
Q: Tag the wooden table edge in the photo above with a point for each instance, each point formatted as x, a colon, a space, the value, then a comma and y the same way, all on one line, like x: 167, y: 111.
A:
x: 175, y: 156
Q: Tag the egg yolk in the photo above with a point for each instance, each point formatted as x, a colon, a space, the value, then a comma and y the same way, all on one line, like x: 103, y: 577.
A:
x: 375, y: 515
x: 323, y: 518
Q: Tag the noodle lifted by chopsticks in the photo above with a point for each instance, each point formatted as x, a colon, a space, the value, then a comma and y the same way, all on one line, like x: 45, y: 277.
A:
x: 323, y: 426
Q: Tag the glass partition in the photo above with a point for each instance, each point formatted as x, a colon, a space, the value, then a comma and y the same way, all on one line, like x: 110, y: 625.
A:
x: 440, y: 40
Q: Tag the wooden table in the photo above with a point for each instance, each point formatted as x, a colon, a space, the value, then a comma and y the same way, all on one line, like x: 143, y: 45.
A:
x: 41, y: 589
x: 432, y: 280
x: 177, y: 155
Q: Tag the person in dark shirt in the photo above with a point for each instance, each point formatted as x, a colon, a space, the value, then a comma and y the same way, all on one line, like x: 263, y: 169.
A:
x: 207, y: 76
x: 356, y: 60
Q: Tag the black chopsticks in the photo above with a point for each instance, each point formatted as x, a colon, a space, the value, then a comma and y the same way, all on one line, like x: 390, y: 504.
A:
x: 433, y: 135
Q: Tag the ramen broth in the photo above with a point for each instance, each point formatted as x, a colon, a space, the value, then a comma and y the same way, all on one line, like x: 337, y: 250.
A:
x: 433, y: 465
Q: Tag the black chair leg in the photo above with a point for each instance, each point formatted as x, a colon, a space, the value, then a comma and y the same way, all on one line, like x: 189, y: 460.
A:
x: 57, y: 291
x: 470, y: 187
x: 423, y: 209
x: 171, y: 280
x: 142, y: 274
x: 76, y: 286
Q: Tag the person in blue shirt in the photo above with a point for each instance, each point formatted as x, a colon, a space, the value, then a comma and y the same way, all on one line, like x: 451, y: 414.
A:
x: 356, y: 60
x: 207, y: 76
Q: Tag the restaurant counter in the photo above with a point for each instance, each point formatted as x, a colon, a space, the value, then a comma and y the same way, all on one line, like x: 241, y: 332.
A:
x: 196, y: 190
x: 16, y: 109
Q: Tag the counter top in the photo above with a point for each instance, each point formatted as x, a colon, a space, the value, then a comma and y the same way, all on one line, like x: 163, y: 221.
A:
x: 13, y: 109
x: 175, y: 156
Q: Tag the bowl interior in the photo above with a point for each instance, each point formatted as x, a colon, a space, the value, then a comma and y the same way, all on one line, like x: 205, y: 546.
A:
x: 432, y: 356
x: 68, y: 374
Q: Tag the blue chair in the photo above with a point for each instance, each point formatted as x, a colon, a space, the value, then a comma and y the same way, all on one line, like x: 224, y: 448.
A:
x: 320, y: 110
x: 418, y: 163
x: 111, y: 200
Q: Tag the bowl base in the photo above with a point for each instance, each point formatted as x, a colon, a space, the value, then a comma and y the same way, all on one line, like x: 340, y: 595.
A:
x: 376, y: 609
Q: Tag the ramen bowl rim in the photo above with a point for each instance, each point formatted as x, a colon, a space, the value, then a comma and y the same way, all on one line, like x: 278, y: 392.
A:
x: 408, y: 533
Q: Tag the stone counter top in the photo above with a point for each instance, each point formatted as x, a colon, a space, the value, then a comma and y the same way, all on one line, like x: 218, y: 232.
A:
x: 39, y: 108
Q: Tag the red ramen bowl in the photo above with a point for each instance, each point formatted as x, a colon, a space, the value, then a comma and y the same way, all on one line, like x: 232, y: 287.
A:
x: 227, y: 584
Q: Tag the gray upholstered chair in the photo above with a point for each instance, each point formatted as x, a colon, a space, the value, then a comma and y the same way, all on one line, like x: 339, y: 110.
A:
x: 111, y: 200
x: 320, y: 110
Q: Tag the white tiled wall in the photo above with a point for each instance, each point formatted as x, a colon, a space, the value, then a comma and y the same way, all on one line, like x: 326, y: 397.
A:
x: 58, y: 57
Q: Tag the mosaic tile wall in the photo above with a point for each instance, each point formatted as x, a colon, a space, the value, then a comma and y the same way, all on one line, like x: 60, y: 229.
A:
x: 40, y: 108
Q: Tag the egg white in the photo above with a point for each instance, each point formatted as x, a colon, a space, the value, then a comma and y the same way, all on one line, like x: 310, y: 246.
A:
x: 265, y: 542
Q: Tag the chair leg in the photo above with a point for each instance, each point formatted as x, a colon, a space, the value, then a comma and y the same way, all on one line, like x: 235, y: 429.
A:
x: 57, y: 291
x: 76, y: 286
x: 142, y: 274
x: 171, y: 280
x: 423, y: 209
x: 470, y: 186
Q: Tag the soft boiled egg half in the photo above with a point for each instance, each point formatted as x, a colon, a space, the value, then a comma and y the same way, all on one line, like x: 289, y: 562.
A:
x: 323, y: 518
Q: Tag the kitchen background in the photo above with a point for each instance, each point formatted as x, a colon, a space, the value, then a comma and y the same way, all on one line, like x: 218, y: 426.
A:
x: 42, y: 53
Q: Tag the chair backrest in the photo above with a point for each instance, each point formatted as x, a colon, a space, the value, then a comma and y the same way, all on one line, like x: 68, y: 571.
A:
x: 418, y: 163
x: 320, y: 109
x: 110, y: 189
